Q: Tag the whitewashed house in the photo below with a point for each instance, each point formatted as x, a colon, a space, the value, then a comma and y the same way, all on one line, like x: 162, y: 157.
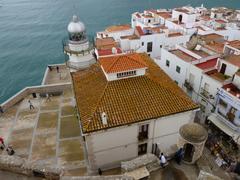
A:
x: 128, y: 107
x: 227, y: 114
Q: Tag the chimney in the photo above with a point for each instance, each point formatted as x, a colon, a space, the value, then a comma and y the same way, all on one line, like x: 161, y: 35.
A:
x: 104, y: 118
x: 114, y: 50
x: 228, y: 89
x: 238, y: 95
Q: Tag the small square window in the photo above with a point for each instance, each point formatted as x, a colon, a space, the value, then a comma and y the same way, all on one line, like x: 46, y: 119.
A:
x: 178, y: 69
x: 160, y: 46
x: 142, y: 43
x: 167, y: 63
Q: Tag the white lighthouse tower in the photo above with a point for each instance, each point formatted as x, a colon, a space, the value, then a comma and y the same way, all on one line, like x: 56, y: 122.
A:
x: 78, y: 47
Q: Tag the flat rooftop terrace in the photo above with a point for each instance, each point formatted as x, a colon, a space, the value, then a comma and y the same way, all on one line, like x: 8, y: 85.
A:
x: 182, y: 55
x: 49, y: 134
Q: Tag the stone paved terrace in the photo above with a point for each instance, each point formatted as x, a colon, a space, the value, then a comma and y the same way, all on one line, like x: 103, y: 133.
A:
x: 48, y: 134
x: 54, y: 77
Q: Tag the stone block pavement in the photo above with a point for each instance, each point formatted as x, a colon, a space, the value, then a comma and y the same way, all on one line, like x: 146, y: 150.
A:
x: 49, y: 134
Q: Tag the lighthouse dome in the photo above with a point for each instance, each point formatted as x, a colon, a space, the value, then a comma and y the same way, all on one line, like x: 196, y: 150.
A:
x: 76, y: 26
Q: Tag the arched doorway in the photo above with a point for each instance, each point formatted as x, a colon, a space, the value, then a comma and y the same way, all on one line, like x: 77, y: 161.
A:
x: 188, y: 152
x: 180, y: 19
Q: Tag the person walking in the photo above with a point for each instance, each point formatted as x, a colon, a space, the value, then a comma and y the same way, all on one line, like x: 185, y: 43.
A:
x: 99, y: 171
x: 57, y: 69
x: 48, y: 97
x: 30, y: 105
x: 163, y: 160
x: 179, y: 155
x: 2, y: 145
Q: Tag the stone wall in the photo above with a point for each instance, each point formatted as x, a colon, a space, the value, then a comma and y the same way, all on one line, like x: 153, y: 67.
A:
x: 18, y: 165
x: 116, y: 177
x: 33, y: 89
x: 149, y: 160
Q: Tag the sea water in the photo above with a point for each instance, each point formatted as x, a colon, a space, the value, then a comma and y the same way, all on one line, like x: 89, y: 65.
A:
x: 31, y: 31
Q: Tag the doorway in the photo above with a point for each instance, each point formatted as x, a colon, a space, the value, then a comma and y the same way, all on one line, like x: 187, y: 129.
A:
x: 223, y: 68
x: 188, y: 152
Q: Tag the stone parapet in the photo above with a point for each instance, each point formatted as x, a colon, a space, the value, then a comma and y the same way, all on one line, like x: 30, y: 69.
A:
x: 148, y: 160
x: 18, y: 165
x: 33, y: 89
x: 116, y: 177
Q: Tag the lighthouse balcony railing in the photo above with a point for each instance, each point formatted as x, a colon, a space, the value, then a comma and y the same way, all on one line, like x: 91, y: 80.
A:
x: 66, y: 49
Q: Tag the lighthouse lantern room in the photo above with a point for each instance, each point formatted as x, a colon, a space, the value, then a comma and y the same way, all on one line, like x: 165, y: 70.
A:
x: 77, y: 47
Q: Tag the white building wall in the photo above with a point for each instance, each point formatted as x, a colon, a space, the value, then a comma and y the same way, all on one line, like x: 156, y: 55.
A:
x: 166, y: 129
x: 171, y: 70
x: 106, y: 149
x: 230, y: 69
x: 186, y: 18
x: 214, y: 85
x: 125, y: 44
x: 197, y: 73
x: 236, y: 81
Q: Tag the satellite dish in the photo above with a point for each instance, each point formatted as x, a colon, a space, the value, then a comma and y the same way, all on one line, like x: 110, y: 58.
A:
x: 193, y: 42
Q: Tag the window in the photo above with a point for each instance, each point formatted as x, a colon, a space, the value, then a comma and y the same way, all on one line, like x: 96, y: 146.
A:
x: 167, y: 63
x: 178, y: 69
x: 149, y: 47
x: 149, y: 20
x: 160, y: 46
x: 222, y: 103
x: 142, y: 43
x: 125, y: 74
x: 143, y: 132
x: 142, y: 149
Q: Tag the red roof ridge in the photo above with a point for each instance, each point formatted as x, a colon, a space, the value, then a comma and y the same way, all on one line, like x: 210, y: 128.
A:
x: 129, y: 57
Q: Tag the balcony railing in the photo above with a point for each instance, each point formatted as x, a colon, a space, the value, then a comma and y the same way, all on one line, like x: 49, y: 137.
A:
x: 228, y: 122
x: 188, y: 85
x: 206, y: 94
x: 142, y: 136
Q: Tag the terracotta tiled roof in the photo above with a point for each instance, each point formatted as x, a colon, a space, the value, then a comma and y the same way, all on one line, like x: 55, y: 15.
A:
x: 139, y: 31
x: 121, y: 63
x: 105, y: 43
x: 126, y: 101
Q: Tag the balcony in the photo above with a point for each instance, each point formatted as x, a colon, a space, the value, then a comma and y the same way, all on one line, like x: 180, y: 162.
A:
x: 142, y: 136
x: 230, y: 117
x: 188, y: 85
x: 228, y: 120
x: 206, y: 94
x: 222, y: 78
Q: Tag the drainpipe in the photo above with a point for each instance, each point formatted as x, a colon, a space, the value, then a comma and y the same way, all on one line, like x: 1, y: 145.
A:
x: 199, y: 87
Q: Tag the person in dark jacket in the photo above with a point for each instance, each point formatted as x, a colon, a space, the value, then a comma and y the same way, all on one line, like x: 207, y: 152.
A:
x: 2, y: 145
x: 179, y: 155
